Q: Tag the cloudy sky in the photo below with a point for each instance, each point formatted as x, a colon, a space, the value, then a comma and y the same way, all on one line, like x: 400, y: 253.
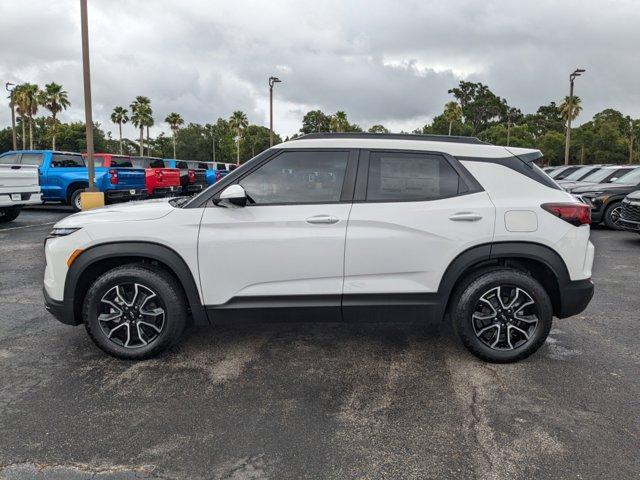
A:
x: 388, y: 62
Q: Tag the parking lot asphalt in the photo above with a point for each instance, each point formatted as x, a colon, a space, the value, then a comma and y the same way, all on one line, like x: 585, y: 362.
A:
x: 318, y: 400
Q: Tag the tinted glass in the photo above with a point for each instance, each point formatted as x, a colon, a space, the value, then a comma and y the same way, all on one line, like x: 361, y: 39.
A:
x: 298, y: 177
x: 598, y: 175
x: 62, y: 160
x: 410, y: 176
x: 121, y: 162
x: 9, y: 159
x: 157, y: 163
x: 182, y: 165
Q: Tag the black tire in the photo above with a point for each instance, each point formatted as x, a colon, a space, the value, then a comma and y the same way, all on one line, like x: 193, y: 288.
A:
x: 467, y: 299
x: 74, y: 199
x: 9, y: 214
x: 169, y: 298
x: 611, y: 216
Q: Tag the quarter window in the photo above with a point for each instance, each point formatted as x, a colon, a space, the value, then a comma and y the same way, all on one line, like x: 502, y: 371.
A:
x: 31, y: 159
x: 298, y: 177
x: 400, y: 176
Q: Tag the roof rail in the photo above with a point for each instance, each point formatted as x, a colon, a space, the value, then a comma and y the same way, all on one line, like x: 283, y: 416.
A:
x: 394, y: 136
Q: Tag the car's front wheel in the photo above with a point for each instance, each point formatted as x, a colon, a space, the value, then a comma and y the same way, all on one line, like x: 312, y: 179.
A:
x: 502, y: 315
x: 612, y: 216
x: 135, y: 311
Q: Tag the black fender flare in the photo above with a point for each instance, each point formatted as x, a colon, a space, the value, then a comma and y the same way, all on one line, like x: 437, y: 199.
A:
x: 486, y: 253
x: 146, y: 250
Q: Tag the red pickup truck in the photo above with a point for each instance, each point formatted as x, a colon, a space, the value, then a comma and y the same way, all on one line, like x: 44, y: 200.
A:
x: 159, y: 179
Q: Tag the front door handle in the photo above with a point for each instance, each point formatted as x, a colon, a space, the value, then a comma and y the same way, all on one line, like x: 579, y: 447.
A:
x: 323, y: 219
x: 465, y: 217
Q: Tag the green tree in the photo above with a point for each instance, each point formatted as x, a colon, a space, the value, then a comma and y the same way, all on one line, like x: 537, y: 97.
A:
x: 547, y: 118
x: 27, y: 96
x: 452, y: 113
x: 576, y: 108
x: 238, y: 122
x: 141, y: 116
x: 499, y: 134
x: 315, y: 121
x: 480, y: 106
x: 119, y: 116
x: 551, y: 144
x: 54, y: 99
x: 378, y: 129
x: 339, y: 122
x: 175, y: 121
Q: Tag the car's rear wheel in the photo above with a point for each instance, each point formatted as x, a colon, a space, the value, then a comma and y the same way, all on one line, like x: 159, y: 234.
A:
x: 502, y: 315
x: 9, y: 214
x: 135, y: 311
x: 74, y: 199
x: 612, y: 215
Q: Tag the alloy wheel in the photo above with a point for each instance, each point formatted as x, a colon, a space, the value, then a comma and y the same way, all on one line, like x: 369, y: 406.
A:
x: 615, y: 214
x: 131, y: 315
x: 505, y: 318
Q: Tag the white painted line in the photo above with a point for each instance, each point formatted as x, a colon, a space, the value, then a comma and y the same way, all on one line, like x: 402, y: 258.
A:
x: 26, y: 226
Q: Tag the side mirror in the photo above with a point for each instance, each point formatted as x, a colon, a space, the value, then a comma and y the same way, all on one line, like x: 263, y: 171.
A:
x: 233, y: 196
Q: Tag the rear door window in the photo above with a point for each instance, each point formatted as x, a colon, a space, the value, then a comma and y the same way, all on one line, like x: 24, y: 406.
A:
x: 31, y: 159
x: 407, y: 176
x: 121, y: 162
x: 182, y: 165
x: 63, y: 160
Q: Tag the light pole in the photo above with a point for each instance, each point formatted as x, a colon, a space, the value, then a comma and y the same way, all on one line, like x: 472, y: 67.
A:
x: 272, y: 82
x: 10, y: 88
x: 576, y: 73
x: 88, y: 117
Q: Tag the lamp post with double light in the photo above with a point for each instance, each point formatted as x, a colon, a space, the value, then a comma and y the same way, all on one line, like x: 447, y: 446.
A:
x: 576, y: 73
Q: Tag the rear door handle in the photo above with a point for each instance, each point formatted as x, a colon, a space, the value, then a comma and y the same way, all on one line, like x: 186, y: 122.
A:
x: 465, y: 217
x: 322, y: 219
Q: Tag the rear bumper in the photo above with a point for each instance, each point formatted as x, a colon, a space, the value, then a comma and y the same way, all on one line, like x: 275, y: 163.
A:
x: 61, y: 310
x: 20, y: 198
x: 166, y: 191
x: 574, y: 297
x: 125, y: 195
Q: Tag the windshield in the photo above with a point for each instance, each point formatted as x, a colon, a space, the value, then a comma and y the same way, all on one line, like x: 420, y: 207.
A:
x: 631, y: 178
x: 581, y: 172
x: 556, y: 172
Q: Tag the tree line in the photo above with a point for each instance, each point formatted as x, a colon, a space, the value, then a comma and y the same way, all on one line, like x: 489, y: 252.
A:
x: 609, y: 137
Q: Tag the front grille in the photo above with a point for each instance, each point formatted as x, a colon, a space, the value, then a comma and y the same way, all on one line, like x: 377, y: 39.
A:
x: 630, y: 211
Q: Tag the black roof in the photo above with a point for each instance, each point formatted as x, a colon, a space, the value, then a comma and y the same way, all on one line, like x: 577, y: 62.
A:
x: 394, y: 136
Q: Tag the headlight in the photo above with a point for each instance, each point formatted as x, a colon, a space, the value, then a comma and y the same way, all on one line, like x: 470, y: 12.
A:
x: 62, y: 232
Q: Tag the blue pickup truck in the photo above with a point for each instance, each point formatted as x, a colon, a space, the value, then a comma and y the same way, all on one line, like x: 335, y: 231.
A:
x: 64, y: 175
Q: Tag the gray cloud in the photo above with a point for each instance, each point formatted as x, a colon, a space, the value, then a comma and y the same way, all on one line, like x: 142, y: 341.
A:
x: 382, y: 62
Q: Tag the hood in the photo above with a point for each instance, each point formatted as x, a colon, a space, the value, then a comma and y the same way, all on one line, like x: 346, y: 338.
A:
x: 634, y: 195
x: 606, y: 187
x: 120, y: 212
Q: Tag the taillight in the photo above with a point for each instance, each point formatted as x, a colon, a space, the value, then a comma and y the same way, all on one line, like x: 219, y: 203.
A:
x: 113, y: 177
x: 218, y: 175
x: 575, y: 213
x: 159, y: 175
x: 192, y: 176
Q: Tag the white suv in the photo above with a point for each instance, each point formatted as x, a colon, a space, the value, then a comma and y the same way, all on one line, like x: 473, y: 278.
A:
x: 344, y: 227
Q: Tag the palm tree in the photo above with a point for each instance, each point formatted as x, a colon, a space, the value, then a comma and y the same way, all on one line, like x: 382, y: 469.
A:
x: 238, y: 122
x: 27, y: 100
x: 141, y: 117
x: 576, y: 108
x: 452, y: 113
x: 54, y: 99
x: 174, y: 120
x: 120, y: 116
x: 19, y: 100
x: 339, y: 122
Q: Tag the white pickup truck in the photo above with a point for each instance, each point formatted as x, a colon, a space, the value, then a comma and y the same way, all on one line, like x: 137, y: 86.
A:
x: 18, y: 187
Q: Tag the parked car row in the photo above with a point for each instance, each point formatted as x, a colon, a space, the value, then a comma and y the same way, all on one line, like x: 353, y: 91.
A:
x: 37, y: 176
x: 612, y: 192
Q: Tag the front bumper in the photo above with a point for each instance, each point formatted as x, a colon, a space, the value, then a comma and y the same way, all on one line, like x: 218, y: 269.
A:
x: 125, y: 195
x: 574, y: 297
x: 629, y: 225
x: 61, y: 310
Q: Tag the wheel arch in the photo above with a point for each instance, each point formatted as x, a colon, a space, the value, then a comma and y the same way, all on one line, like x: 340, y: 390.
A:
x: 540, y: 261
x: 100, y: 258
x: 72, y: 187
